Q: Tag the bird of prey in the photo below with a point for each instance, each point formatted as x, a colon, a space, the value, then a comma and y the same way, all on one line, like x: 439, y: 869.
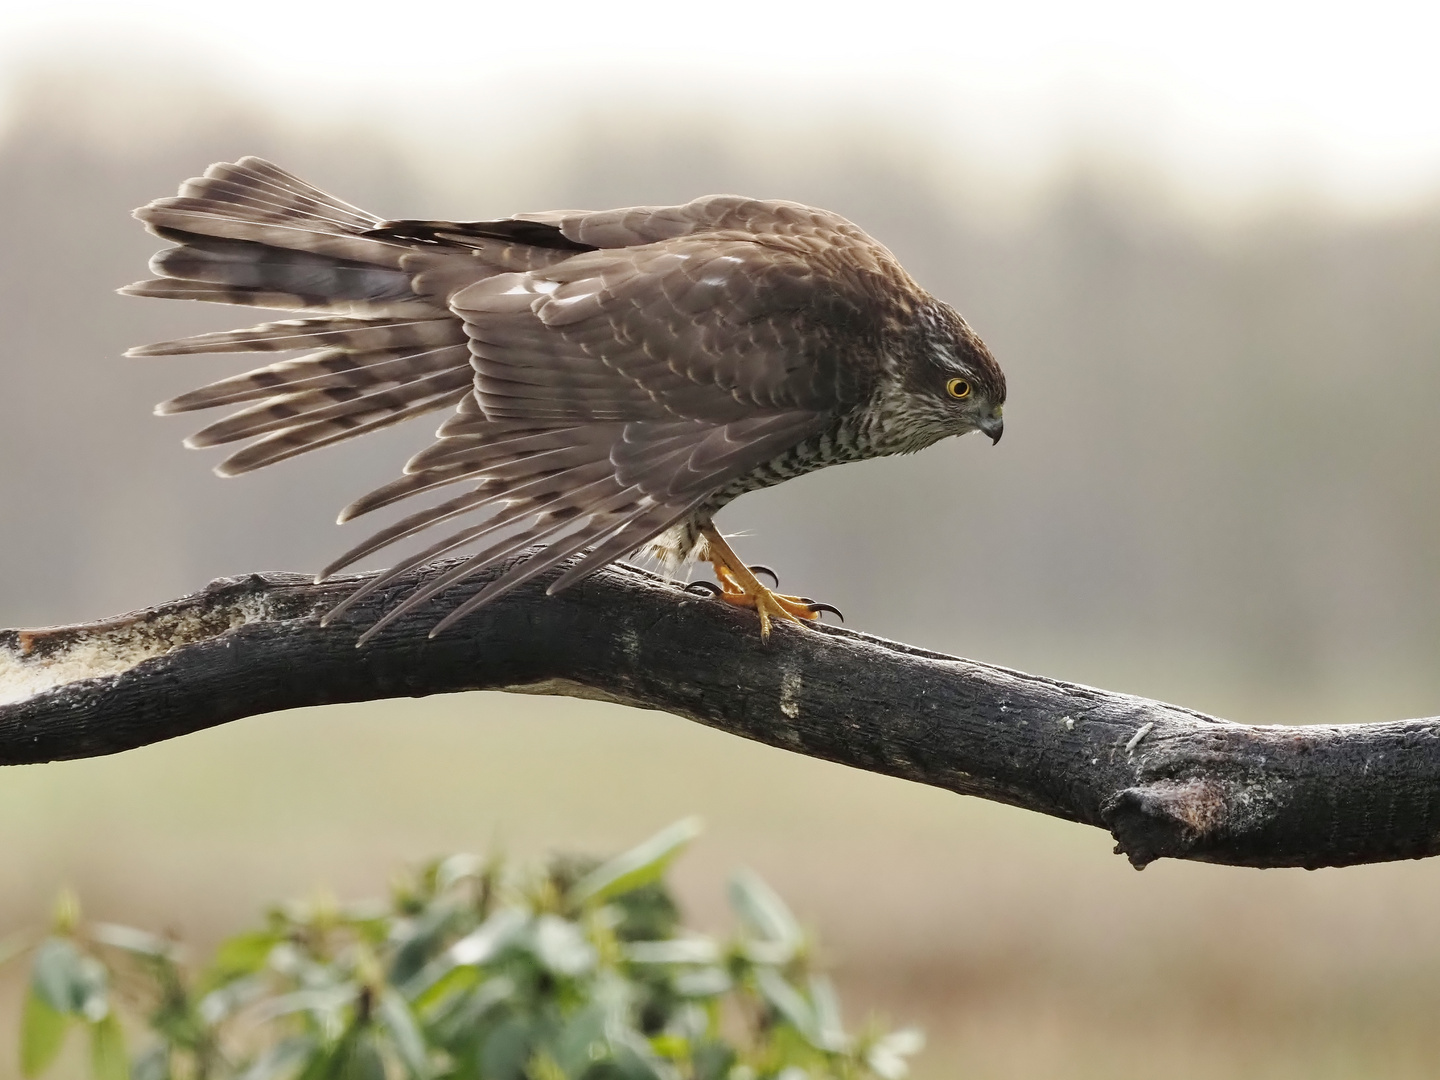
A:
x: 613, y: 378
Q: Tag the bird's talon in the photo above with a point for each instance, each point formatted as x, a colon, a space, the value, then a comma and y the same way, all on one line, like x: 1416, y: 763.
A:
x: 708, y: 587
x: 740, y: 586
x: 818, y: 608
x: 759, y: 568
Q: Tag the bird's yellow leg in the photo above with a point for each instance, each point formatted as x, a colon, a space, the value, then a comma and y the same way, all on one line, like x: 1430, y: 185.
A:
x: 739, y: 586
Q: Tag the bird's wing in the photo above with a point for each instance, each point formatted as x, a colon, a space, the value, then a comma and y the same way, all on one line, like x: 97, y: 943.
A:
x: 715, y: 326
x: 592, y: 491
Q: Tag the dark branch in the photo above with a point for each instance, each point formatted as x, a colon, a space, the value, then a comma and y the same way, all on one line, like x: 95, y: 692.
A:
x: 1164, y: 781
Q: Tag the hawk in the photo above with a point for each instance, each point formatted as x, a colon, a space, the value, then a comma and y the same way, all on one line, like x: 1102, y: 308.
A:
x: 612, y: 378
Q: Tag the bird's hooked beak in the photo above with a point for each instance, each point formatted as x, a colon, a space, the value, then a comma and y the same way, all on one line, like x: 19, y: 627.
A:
x: 994, y: 426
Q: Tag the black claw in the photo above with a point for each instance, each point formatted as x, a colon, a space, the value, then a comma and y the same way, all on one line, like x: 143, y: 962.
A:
x: 817, y: 608
x: 708, y: 587
x: 759, y: 569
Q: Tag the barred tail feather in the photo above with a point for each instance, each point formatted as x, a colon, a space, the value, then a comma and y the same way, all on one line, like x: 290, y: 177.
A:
x: 358, y: 401
x: 356, y: 334
x: 306, y: 437
x: 251, y: 234
x: 327, y: 369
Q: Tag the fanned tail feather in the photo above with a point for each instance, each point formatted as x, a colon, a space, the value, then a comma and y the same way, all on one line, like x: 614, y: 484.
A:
x: 363, y: 335
x: 250, y: 233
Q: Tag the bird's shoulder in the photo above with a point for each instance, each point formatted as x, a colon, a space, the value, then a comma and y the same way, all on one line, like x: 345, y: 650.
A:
x: 776, y: 225
x: 761, y: 255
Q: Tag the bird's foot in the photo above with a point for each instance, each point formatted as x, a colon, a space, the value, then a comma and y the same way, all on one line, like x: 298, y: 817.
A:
x: 767, y: 603
x: 739, y: 586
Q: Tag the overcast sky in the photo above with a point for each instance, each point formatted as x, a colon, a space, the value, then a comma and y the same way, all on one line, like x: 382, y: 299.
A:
x: 1232, y: 99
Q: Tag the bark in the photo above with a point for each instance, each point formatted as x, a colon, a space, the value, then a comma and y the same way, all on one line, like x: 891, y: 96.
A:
x: 1164, y: 781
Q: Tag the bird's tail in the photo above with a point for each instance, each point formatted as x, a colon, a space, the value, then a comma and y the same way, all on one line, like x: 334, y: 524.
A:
x: 250, y: 233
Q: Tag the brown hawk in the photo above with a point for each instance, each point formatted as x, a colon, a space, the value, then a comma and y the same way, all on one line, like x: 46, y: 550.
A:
x: 614, y: 377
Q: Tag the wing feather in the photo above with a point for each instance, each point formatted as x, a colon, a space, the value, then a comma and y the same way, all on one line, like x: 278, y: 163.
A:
x: 313, y: 436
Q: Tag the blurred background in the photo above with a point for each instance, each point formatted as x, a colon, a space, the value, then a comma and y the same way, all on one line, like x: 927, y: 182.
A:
x: 1204, y: 244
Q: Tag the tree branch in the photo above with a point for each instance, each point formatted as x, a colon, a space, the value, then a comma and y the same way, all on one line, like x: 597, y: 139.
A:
x: 1165, y: 781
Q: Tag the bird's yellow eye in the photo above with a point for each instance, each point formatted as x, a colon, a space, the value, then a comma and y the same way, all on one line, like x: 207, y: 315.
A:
x: 958, y: 388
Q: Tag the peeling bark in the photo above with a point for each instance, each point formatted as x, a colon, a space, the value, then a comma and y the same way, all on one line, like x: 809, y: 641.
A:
x: 1163, y: 780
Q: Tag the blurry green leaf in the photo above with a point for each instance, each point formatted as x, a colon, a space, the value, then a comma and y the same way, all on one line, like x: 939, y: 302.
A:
x: 57, y: 976
x: 93, y: 988
x: 670, y: 1046
x: 507, y: 1050
x: 324, y: 1001
x: 561, y: 946
x: 134, y: 941
x: 793, y: 1072
x: 42, y: 1033
x: 646, y: 913
x: 544, y: 1067
x: 478, y: 947
x: 66, y: 916
x: 762, y: 912
x: 394, y: 1013
x: 282, y: 1059
x: 419, y: 940
x: 886, y: 1056
x: 787, y: 1001
x: 638, y: 866
x: 829, y: 1029
x: 459, y: 1016
x: 773, y: 953
x: 454, y: 981
x: 636, y: 1061
x: 231, y: 997
x: 361, y: 1061
x: 493, y: 934
x: 457, y: 868
x: 582, y: 1041
x: 244, y: 954
x: 703, y: 982
x: 712, y: 1060
x: 682, y: 950
x: 353, y: 1057
x: 108, y: 1060
x: 153, y: 1064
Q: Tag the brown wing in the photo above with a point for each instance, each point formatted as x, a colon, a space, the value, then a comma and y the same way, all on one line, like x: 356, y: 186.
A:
x: 710, y: 327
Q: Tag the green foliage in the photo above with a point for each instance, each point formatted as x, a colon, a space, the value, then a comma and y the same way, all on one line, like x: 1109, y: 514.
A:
x: 580, y: 971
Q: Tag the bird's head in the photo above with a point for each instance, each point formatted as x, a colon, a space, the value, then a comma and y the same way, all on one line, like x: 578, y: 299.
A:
x: 953, y: 384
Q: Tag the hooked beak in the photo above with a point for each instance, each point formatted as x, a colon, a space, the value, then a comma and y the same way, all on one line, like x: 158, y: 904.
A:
x: 994, y: 426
